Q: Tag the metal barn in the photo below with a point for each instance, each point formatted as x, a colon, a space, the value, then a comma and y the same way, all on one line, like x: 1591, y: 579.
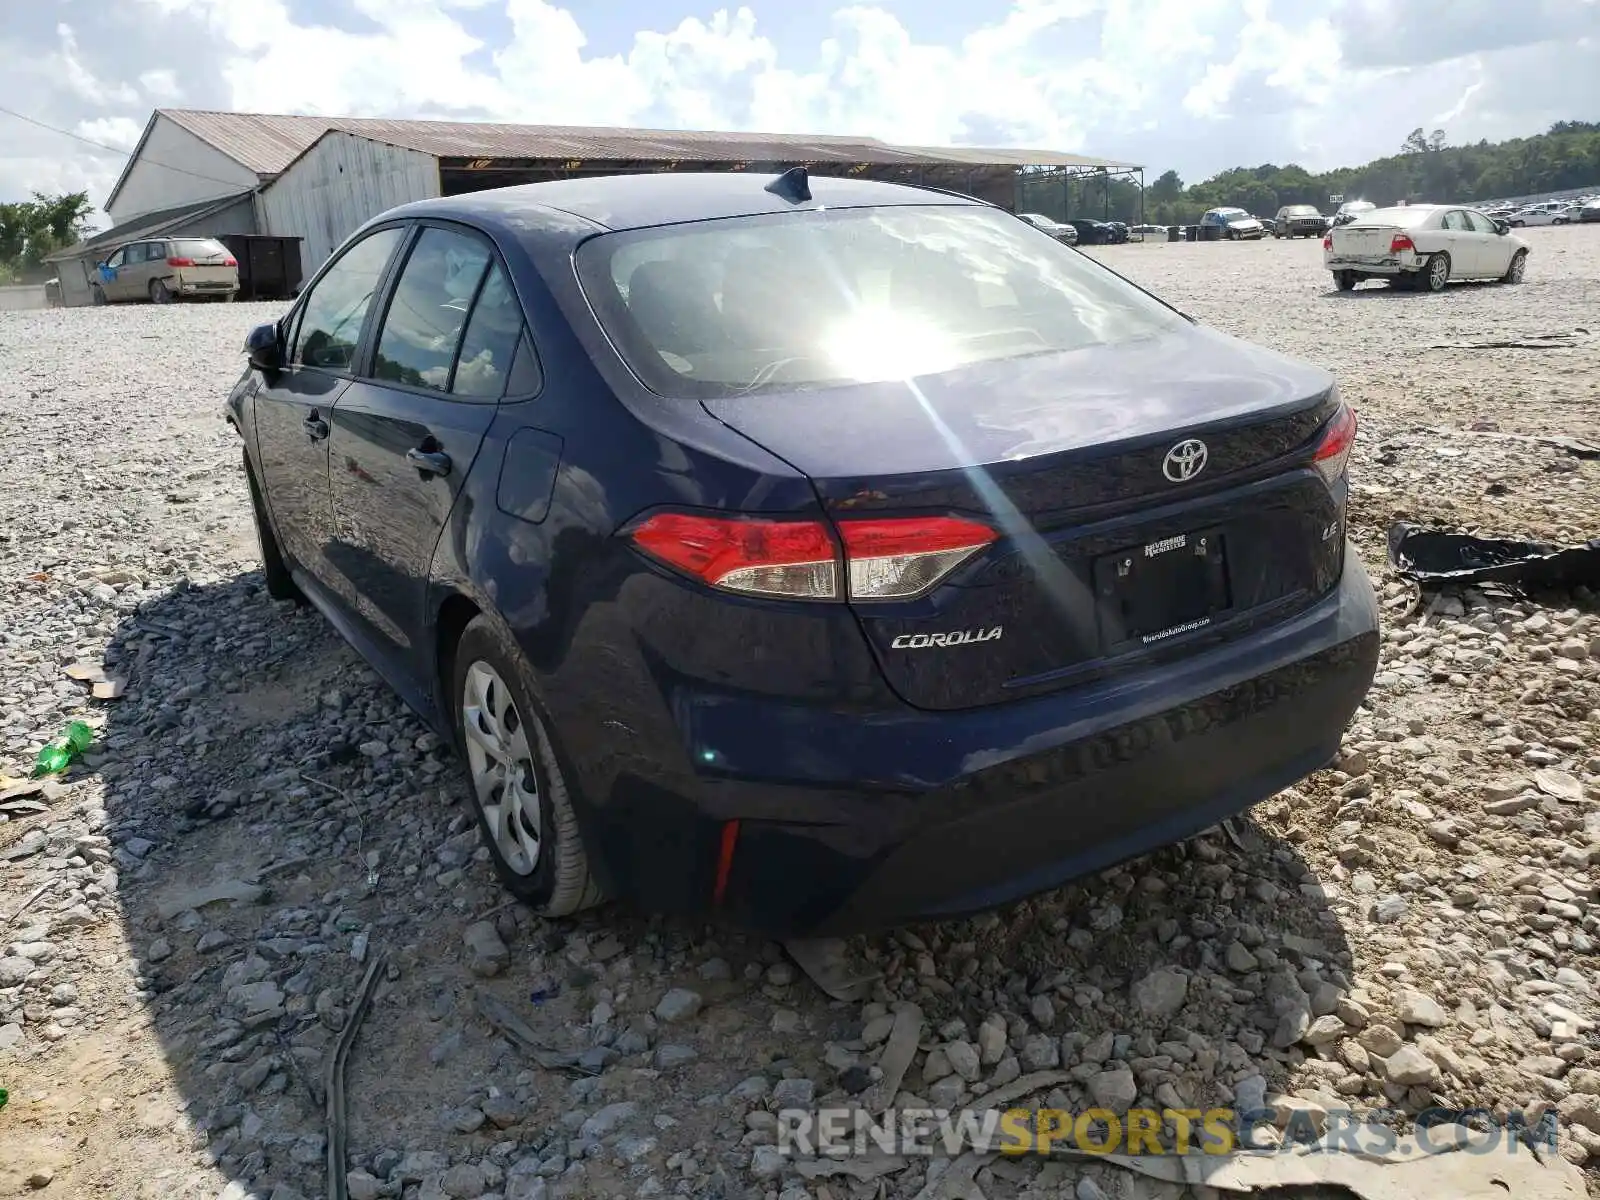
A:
x: 319, y: 178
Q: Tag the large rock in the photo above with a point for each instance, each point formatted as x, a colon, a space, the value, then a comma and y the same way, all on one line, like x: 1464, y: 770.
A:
x: 1415, y: 1008
x: 1160, y: 994
x: 680, y: 1004
x: 1115, y: 1089
x: 1410, y: 1067
x: 487, y: 955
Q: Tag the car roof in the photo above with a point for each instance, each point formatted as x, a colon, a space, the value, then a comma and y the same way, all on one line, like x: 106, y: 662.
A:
x: 668, y: 198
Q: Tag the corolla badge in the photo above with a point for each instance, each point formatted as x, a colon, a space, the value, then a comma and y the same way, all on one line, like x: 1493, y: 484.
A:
x: 1185, y: 460
x: 961, y: 637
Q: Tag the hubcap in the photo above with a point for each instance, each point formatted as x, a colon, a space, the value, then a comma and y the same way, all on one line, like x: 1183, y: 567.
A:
x: 1517, y: 266
x: 500, y: 760
x: 1440, y: 270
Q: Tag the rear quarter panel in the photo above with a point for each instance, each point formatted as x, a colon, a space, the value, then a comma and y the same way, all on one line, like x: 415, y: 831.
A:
x: 619, y: 651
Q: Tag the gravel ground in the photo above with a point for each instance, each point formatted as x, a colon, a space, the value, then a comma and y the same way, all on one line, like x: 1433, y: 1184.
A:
x: 185, y: 918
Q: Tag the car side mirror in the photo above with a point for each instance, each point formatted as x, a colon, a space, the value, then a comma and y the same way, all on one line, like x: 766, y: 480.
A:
x: 1501, y: 227
x: 264, y: 348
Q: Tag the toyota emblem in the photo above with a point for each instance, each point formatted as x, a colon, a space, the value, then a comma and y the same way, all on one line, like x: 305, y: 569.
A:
x: 1185, y: 460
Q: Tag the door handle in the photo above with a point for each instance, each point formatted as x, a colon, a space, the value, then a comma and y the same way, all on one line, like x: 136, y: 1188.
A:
x: 429, y: 462
x: 316, y: 428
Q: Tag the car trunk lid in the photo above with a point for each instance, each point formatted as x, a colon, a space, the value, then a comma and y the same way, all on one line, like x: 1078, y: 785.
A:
x: 1363, y: 242
x: 1147, y: 498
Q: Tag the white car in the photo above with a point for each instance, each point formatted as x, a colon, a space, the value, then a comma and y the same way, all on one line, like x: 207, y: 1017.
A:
x: 1552, y: 212
x: 1422, y: 245
x: 1062, y: 233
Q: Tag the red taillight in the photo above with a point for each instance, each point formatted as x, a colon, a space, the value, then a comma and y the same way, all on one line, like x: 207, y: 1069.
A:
x: 230, y: 262
x: 893, y: 559
x: 1401, y: 242
x: 1333, y: 448
x: 1327, y: 242
x: 174, y: 260
x: 774, y: 558
x: 884, y: 559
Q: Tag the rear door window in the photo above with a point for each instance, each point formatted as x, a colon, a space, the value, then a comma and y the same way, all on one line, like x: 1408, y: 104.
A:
x: 428, y: 312
x: 334, y: 312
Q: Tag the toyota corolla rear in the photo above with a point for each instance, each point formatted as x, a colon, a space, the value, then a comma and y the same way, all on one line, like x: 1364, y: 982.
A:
x: 1070, y: 581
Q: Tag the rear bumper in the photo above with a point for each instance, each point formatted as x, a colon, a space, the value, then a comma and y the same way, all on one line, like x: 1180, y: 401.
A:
x: 1396, y: 264
x: 855, y: 822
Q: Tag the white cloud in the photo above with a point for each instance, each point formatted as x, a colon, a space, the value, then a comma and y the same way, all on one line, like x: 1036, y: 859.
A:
x: 161, y: 85
x: 1197, y: 84
x: 81, y: 80
x: 121, y: 132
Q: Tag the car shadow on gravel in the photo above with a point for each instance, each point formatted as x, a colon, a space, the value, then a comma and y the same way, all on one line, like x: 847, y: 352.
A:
x: 279, y: 823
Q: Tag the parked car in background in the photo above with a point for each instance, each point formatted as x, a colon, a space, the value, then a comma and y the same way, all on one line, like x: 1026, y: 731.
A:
x: 1422, y: 246
x: 1120, y: 233
x: 1092, y: 233
x: 1551, y: 212
x: 1349, y: 211
x: 1233, y: 223
x: 1143, y: 232
x: 1062, y: 233
x: 1589, y: 213
x: 1299, y: 220
x: 167, y: 269
x: 722, y: 615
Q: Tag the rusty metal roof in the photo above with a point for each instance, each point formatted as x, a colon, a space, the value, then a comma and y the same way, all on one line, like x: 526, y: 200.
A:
x: 267, y: 143
x: 263, y: 142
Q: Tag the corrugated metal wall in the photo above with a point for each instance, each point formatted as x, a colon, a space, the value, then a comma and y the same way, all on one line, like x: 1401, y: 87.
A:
x: 338, y: 184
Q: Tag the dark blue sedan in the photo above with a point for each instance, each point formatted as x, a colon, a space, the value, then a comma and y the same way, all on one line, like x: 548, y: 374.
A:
x: 829, y: 553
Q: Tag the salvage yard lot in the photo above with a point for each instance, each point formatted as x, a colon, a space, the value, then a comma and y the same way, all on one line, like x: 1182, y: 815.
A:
x: 1432, y: 903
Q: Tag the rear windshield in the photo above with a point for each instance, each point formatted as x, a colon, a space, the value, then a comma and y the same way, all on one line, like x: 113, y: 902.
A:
x: 1405, y: 218
x: 831, y: 297
x: 198, y: 247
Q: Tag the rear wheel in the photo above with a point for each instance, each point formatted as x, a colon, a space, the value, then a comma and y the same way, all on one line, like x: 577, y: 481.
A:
x: 518, y: 791
x: 280, y: 583
x: 1436, y: 272
x: 1344, y: 280
x: 1518, y: 267
x: 159, y: 292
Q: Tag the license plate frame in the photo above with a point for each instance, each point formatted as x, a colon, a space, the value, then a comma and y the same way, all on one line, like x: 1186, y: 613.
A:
x: 1162, y: 590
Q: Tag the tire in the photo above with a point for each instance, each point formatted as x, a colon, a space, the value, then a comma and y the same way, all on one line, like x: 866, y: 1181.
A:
x: 555, y: 881
x: 280, y: 583
x: 1345, y: 281
x: 1435, y: 272
x: 1519, y: 264
x: 1233, y: 235
x: 159, y: 292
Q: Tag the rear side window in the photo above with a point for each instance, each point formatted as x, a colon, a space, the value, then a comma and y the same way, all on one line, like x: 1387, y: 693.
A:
x: 489, y: 348
x: 428, y: 312
x: 198, y: 248
x: 334, y: 312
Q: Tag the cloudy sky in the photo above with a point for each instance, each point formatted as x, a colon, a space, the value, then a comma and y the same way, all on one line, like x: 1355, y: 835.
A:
x: 1199, y: 85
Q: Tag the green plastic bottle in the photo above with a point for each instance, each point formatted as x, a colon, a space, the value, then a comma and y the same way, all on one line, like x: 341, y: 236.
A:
x: 58, y: 754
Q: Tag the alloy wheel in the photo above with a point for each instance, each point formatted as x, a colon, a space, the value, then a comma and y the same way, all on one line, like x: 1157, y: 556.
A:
x: 1438, y: 272
x: 500, y: 761
x: 1519, y: 265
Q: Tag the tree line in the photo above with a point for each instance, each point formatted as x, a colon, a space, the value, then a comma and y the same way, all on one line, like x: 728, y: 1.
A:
x: 1427, y: 169
x: 32, y: 229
